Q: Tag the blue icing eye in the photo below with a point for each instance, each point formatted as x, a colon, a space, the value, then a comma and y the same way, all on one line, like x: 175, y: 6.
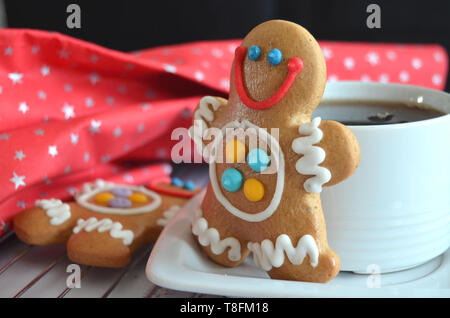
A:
x: 177, y: 182
x: 189, y: 185
x: 274, y: 57
x: 254, y: 52
x: 258, y: 159
x: 231, y: 180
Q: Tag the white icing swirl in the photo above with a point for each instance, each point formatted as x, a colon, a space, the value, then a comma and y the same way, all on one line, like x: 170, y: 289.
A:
x: 266, y: 255
x: 312, y: 156
x: 210, y: 236
x: 200, y: 126
x: 114, y: 228
x: 57, y: 211
x: 168, y: 215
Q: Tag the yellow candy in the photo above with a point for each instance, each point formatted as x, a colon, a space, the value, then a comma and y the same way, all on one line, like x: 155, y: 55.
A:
x: 137, y: 197
x: 235, y: 151
x: 253, y: 190
x: 103, y: 197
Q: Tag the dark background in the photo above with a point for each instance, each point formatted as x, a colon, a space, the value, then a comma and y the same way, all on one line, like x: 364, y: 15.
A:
x: 131, y: 25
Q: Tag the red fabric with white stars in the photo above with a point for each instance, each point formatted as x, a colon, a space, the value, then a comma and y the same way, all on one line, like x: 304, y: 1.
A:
x: 70, y: 109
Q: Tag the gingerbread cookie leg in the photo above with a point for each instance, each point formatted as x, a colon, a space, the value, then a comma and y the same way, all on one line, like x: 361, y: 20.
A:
x: 105, y: 242
x: 50, y: 222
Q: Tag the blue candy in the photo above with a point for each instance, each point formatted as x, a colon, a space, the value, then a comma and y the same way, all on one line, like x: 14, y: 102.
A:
x: 254, y: 52
x: 121, y: 192
x: 177, y: 182
x: 232, y: 180
x: 189, y: 185
x: 119, y: 202
x: 258, y: 159
x: 274, y: 57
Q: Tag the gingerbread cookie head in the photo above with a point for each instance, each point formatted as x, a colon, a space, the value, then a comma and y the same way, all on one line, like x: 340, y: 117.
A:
x: 279, y: 68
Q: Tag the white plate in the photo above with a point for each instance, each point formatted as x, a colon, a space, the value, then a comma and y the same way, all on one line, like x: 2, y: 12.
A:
x: 177, y: 262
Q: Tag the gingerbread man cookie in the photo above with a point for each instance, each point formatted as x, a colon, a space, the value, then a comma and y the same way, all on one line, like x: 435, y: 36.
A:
x: 107, y: 222
x: 264, y: 196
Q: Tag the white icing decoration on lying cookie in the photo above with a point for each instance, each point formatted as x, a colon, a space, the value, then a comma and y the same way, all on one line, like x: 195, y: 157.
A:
x: 200, y: 126
x: 167, y: 215
x: 210, y: 236
x: 114, y: 228
x: 57, y: 211
x: 312, y: 156
x: 266, y: 255
x: 91, y: 189
x: 277, y: 159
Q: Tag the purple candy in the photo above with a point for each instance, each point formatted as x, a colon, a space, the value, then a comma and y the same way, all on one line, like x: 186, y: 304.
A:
x: 119, y: 202
x: 121, y: 192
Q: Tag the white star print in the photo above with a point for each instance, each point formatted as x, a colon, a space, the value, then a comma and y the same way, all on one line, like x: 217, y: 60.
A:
x: 19, y: 155
x: 186, y: 113
x: 15, y: 77
x: 110, y: 100
x: 39, y: 132
x: 74, y: 138
x: 349, y: 63
x: 64, y: 54
x: 383, y: 78
x: 141, y: 128
x: 105, y: 158
x: 21, y: 204
x: 94, y: 58
x: 9, y: 50
x: 117, y: 132
x: 372, y: 58
x: 365, y: 78
x: 391, y: 55
x: 67, y: 170
x: 95, y: 126
x: 436, y: 79
x: 161, y: 153
x: 225, y: 83
x: 217, y: 53
x: 42, y: 95
x: 122, y: 89
x: 4, y: 136
x: 404, y: 76
x: 327, y: 53
x: 437, y: 57
x: 17, y: 180
x: 71, y: 190
x: 86, y: 157
x: 1, y: 89
x: 67, y: 87
x: 52, y: 151
x: 146, y: 106
x: 333, y: 78
x: 170, y: 68
x: 45, y: 70
x: 89, y: 102
x: 416, y: 63
x: 46, y: 180
x: 94, y: 78
x: 199, y: 76
x: 35, y: 49
x: 128, y: 178
x: 68, y: 111
x: 23, y: 107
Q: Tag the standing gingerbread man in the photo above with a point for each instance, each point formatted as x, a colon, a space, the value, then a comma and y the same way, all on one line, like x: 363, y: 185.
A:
x: 277, y: 80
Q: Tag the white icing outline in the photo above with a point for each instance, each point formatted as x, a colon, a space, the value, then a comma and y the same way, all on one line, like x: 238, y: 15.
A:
x: 308, y: 164
x: 211, y: 237
x: 279, y: 161
x: 114, y: 228
x: 91, y: 189
x: 266, y: 255
x: 200, y: 126
x: 57, y: 211
x: 168, y: 215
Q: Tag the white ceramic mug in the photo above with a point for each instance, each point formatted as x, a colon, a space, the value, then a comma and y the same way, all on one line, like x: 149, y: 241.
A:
x: 394, y: 212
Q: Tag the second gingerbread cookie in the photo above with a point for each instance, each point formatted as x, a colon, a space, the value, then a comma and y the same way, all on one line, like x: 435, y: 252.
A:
x: 264, y: 196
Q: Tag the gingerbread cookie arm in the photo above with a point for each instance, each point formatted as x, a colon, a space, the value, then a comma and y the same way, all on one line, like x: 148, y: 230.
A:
x: 50, y: 222
x: 205, y: 116
x: 342, y: 151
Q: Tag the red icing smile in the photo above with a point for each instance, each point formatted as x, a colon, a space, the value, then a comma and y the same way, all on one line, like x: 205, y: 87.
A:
x: 295, y: 65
